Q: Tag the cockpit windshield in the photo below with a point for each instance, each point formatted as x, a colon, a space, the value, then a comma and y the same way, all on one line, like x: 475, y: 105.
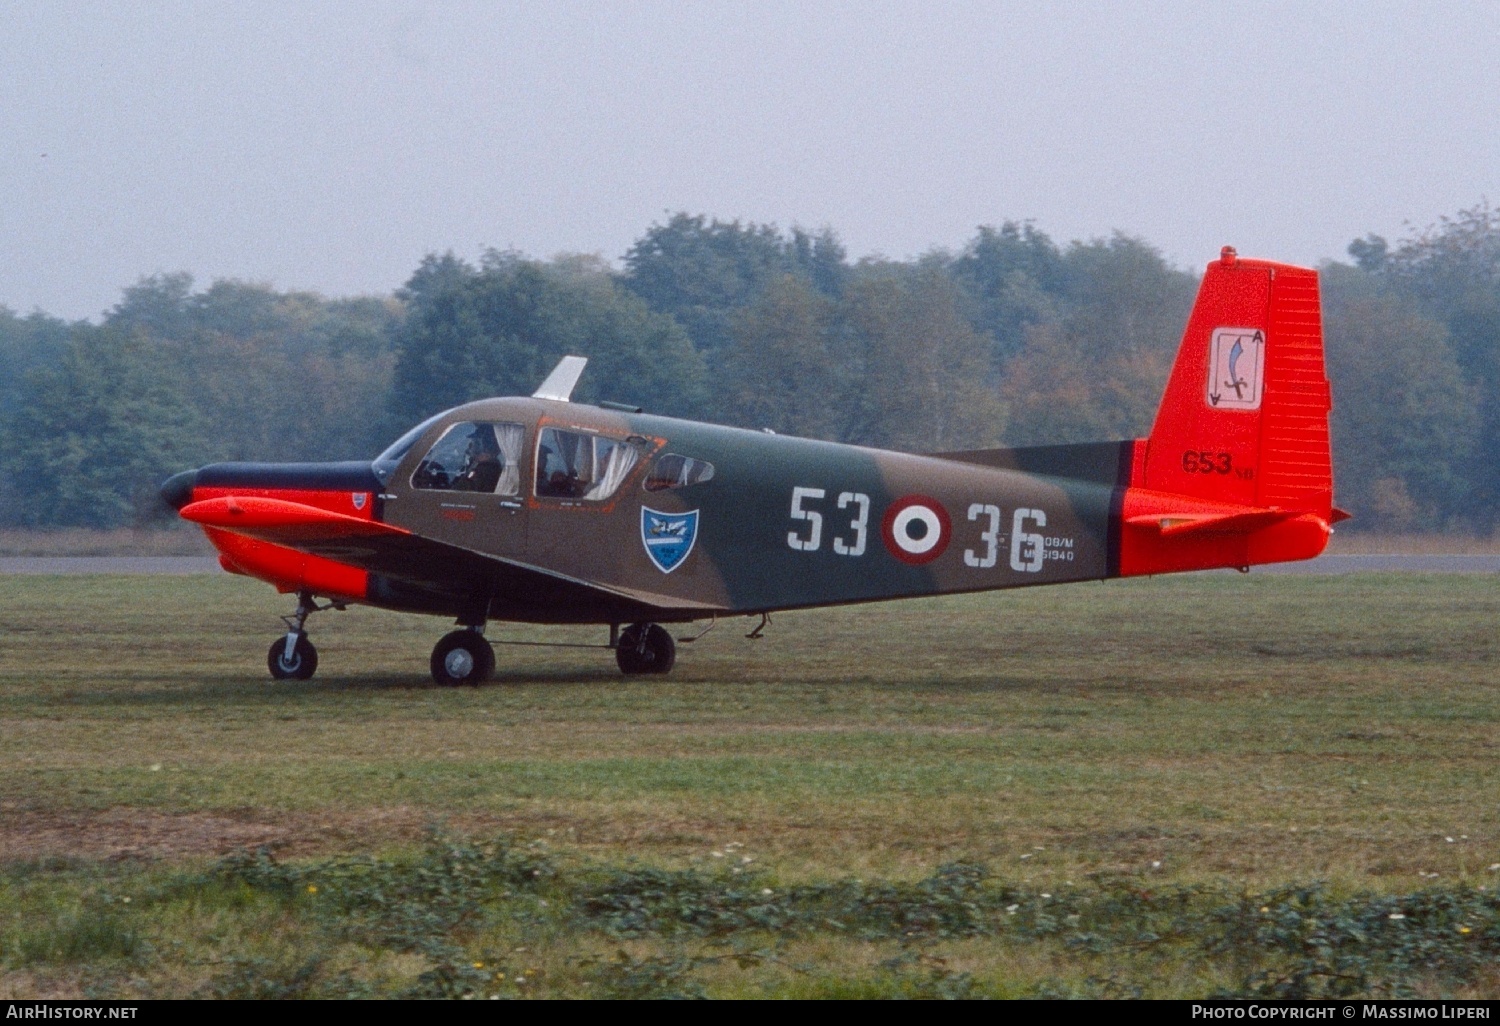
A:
x: 385, y: 464
x: 474, y: 457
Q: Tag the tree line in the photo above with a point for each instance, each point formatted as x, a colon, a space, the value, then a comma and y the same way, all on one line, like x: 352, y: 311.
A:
x: 1013, y: 339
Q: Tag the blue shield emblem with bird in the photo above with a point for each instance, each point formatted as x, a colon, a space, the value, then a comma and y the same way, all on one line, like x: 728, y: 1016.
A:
x: 668, y: 537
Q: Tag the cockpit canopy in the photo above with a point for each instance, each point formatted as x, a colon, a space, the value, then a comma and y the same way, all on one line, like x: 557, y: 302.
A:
x: 487, y: 457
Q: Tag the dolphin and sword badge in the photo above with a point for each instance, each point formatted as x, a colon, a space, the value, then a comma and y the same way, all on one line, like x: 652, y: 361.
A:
x: 1236, y: 368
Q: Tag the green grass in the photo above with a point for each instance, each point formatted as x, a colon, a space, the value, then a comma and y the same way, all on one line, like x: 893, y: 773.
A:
x: 1213, y: 733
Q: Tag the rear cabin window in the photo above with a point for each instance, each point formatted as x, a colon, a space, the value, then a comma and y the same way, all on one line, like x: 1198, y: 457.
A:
x: 674, y: 471
x: 574, y: 465
x: 474, y: 457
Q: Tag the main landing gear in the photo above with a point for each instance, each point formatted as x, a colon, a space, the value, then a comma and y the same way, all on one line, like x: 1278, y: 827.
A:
x: 645, y: 648
x: 462, y: 657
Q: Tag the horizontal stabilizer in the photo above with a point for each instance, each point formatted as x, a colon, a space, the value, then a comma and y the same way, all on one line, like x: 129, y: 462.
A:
x: 1175, y: 524
x: 279, y: 520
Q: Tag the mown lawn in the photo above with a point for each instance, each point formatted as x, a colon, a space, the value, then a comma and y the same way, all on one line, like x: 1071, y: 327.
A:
x: 1212, y: 735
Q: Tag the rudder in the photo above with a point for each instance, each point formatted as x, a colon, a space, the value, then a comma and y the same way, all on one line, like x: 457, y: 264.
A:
x: 1238, y: 468
x: 1244, y: 418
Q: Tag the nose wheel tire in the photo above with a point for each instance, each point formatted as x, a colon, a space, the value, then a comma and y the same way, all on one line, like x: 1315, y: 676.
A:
x: 645, y: 648
x: 462, y: 657
x: 301, y: 664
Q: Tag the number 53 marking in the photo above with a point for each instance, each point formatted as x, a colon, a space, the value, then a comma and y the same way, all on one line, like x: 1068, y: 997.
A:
x: 813, y: 518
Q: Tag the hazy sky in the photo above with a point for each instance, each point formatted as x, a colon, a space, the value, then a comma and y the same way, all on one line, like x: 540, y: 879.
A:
x: 330, y: 145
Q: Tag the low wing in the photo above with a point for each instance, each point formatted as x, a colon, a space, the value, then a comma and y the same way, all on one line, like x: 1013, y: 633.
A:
x: 426, y: 563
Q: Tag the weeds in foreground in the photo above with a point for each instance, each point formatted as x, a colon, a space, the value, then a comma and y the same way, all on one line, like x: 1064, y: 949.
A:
x: 691, y: 933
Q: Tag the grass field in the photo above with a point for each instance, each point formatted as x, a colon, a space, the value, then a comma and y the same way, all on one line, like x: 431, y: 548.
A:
x: 1195, y: 744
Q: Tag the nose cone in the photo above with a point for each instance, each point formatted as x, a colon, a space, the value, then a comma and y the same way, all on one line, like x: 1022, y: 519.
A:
x: 178, y: 489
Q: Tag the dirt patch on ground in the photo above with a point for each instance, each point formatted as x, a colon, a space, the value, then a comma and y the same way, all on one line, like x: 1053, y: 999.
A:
x: 123, y: 833
x: 126, y: 834
x: 30, y: 985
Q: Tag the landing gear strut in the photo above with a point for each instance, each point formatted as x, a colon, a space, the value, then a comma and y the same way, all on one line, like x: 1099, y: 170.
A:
x: 645, y: 648
x: 462, y: 657
x: 293, y: 657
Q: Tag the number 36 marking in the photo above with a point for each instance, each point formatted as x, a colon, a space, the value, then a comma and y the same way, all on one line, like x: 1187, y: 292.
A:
x: 1027, y: 548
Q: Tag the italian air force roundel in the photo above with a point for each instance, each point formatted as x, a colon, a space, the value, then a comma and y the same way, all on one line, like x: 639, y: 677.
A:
x: 916, y: 529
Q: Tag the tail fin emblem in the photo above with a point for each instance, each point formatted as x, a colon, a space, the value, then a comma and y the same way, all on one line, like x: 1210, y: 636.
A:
x: 1236, y: 368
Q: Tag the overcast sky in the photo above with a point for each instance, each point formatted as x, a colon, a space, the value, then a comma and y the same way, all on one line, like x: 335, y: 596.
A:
x: 329, y: 146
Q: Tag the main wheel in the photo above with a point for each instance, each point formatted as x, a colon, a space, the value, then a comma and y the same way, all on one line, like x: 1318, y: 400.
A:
x: 462, y: 657
x: 302, y: 663
x: 645, y: 648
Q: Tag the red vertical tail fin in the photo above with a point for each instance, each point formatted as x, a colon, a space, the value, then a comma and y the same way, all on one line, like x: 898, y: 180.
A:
x: 1238, y: 467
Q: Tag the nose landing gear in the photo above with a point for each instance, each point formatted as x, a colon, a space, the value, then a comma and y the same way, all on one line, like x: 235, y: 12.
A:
x: 294, y: 657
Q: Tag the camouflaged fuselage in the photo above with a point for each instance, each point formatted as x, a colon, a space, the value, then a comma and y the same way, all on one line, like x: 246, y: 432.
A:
x: 784, y: 522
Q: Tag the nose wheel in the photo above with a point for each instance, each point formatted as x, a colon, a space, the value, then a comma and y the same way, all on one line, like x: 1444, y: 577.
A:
x: 645, y: 648
x: 462, y: 657
x: 292, y: 657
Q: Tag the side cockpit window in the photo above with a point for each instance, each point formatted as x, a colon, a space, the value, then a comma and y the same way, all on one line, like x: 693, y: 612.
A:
x: 474, y: 457
x: 675, y: 471
x: 574, y: 465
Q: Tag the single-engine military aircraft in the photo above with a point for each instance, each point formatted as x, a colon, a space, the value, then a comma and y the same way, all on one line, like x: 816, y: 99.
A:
x: 541, y: 510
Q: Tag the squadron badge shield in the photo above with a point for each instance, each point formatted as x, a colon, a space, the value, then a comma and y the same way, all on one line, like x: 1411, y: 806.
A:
x: 668, y: 537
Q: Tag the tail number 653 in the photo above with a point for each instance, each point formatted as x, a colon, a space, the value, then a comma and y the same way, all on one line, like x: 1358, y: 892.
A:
x: 1197, y: 461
